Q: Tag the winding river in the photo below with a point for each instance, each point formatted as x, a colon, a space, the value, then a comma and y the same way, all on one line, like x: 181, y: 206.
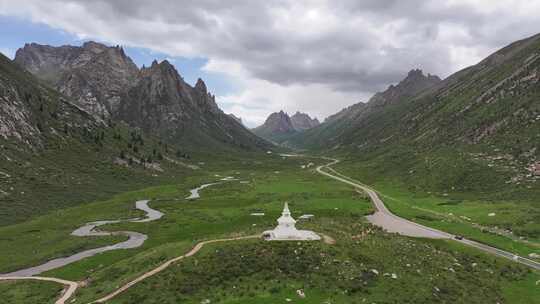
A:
x: 195, y: 191
x: 135, y: 239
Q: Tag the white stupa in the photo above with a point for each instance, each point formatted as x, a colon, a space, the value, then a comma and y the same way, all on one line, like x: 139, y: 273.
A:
x: 286, y: 230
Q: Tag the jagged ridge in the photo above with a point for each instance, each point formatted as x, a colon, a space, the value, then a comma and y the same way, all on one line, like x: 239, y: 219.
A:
x: 104, y: 81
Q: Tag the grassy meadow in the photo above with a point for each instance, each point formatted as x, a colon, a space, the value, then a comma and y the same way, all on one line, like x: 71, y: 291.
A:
x: 365, y: 263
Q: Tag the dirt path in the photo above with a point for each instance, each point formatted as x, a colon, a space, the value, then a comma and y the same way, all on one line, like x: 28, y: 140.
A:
x: 163, y: 266
x: 66, y: 293
x: 72, y: 286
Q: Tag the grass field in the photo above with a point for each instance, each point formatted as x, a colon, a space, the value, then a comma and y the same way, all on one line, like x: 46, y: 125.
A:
x: 29, y: 292
x: 258, y: 271
x: 346, y: 272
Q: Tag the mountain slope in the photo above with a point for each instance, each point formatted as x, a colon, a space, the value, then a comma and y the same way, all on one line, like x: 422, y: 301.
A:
x: 477, y: 131
x: 492, y: 102
x: 53, y: 154
x: 236, y: 118
x: 30, y: 113
x: 162, y: 103
x: 105, y: 82
x: 94, y: 75
x: 330, y: 134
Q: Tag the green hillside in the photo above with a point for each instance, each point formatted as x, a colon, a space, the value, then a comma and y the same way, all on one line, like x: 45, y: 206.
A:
x: 55, y: 155
x: 469, y: 141
x: 484, y: 121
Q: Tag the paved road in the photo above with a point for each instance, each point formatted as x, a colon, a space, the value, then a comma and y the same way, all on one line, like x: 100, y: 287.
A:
x: 393, y: 223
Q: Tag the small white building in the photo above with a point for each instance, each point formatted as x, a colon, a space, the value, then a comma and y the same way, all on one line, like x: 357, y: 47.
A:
x: 286, y: 230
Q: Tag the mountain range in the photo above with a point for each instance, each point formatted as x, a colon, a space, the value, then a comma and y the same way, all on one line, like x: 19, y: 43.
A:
x: 106, y: 83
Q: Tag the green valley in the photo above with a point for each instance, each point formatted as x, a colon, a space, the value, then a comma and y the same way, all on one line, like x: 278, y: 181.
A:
x: 358, y: 266
x: 126, y: 178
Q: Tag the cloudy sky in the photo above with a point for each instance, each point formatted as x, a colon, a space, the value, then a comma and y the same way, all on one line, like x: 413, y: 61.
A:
x: 262, y: 56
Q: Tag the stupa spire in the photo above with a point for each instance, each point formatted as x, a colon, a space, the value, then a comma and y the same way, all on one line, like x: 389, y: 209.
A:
x: 286, y: 209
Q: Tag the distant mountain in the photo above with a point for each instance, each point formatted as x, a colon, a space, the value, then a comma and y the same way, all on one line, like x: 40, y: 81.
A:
x: 276, y: 126
x: 302, y: 121
x: 279, y: 126
x: 106, y: 83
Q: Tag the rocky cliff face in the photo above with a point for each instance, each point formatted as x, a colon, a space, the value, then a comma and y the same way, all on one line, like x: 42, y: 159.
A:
x: 93, y: 75
x: 236, y: 118
x: 29, y: 112
x: 162, y: 103
x: 105, y: 82
x: 302, y: 121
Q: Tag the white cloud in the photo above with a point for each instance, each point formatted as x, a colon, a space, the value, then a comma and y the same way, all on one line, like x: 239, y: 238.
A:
x: 315, y: 56
x: 10, y: 53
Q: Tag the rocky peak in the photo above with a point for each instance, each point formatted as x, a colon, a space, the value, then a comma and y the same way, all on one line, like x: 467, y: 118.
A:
x: 200, y: 86
x: 412, y: 84
x: 94, y: 47
x: 44, y: 60
x: 302, y: 121
x: 278, y: 122
x: 159, y: 70
x: 236, y: 118
x: 417, y: 77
